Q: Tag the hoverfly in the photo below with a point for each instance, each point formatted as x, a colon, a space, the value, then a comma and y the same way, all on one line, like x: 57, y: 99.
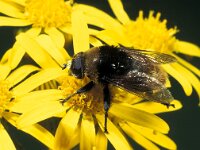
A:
x: 136, y: 71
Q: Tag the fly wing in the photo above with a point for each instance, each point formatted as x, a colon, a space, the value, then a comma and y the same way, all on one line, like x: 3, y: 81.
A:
x: 142, y: 85
x: 145, y: 77
x: 155, y: 57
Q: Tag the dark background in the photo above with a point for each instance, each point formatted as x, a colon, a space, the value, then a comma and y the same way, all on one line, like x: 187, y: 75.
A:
x: 185, y: 123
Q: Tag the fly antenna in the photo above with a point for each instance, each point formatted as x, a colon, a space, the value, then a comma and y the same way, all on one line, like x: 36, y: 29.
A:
x: 67, y: 65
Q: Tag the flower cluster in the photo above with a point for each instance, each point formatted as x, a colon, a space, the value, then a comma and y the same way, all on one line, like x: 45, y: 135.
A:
x: 31, y: 92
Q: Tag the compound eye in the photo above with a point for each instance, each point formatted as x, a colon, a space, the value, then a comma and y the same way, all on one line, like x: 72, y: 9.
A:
x: 77, y: 66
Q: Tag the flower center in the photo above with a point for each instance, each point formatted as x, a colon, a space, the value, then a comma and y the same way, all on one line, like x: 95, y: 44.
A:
x: 48, y: 13
x: 90, y: 102
x: 5, y: 96
x: 151, y: 33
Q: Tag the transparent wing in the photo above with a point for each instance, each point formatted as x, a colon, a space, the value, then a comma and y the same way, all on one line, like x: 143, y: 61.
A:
x: 145, y: 78
x: 155, y: 57
x: 143, y: 86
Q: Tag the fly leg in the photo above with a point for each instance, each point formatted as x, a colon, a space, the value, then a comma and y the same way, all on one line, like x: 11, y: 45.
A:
x: 64, y: 66
x: 106, y: 105
x: 168, y: 105
x: 83, y: 89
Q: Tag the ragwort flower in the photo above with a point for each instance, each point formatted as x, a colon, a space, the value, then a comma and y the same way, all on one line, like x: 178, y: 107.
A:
x: 147, y: 34
x: 82, y: 116
x: 57, y: 18
x: 10, y: 78
x: 38, y: 13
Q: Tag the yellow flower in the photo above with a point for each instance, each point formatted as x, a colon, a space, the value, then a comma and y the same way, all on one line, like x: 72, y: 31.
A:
x: 146, y: 33
x: 9, y: 81
x: 45, y: 33
x: 57, y: 18
x: 38, y: 13
x: 83, y: 115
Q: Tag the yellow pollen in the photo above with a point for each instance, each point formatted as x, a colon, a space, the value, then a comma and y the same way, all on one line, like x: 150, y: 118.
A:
x: 48, y: 13
x: 119, y: 95
x: 151, y: 33
x: 5, y: 96
x: 90, y: 102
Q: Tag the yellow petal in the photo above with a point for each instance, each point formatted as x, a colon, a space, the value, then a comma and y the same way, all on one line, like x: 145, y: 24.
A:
x: 49, y: 46
x: 50, y: 85
x: 120, y: 13
x: 36, y: 130
x: 75, y: 139
x: 65, y: 54
x: 168, y: 84
x: 5, y: 57
x: 21, y: 2
x: 66, y: 129
x: 98, y: 18
x: 37, y: 80
x: 114, y: 135
x: 95, y: 42
x: 99, y: 22
x: 17, y: 53
x: 4, y: 71
x: 115, y: 36
x: 34, y: 31
x: 10, y: 9
x: 11, y: 117
x: 41, y: 134
x: 20, y: 73
x: 34, y: 50
x: 26, y: 102
x: 155, y: 108
x: 194, y: 81
x: 140, y: 117
x: 6, y: 21
x: 56, y: 36
x: 93, y: 31
x: 66, y: 29
x: 137, y: 137
x: 39, y: 113
x: 188, y: 65
x: 5, y: 140
x: 156, y: 137
x: 187, y: 48
x: 187, y: 87
x: 80, y: 32
x: 101, y: 141
x: 106, y: 38
x: 87, y: 140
